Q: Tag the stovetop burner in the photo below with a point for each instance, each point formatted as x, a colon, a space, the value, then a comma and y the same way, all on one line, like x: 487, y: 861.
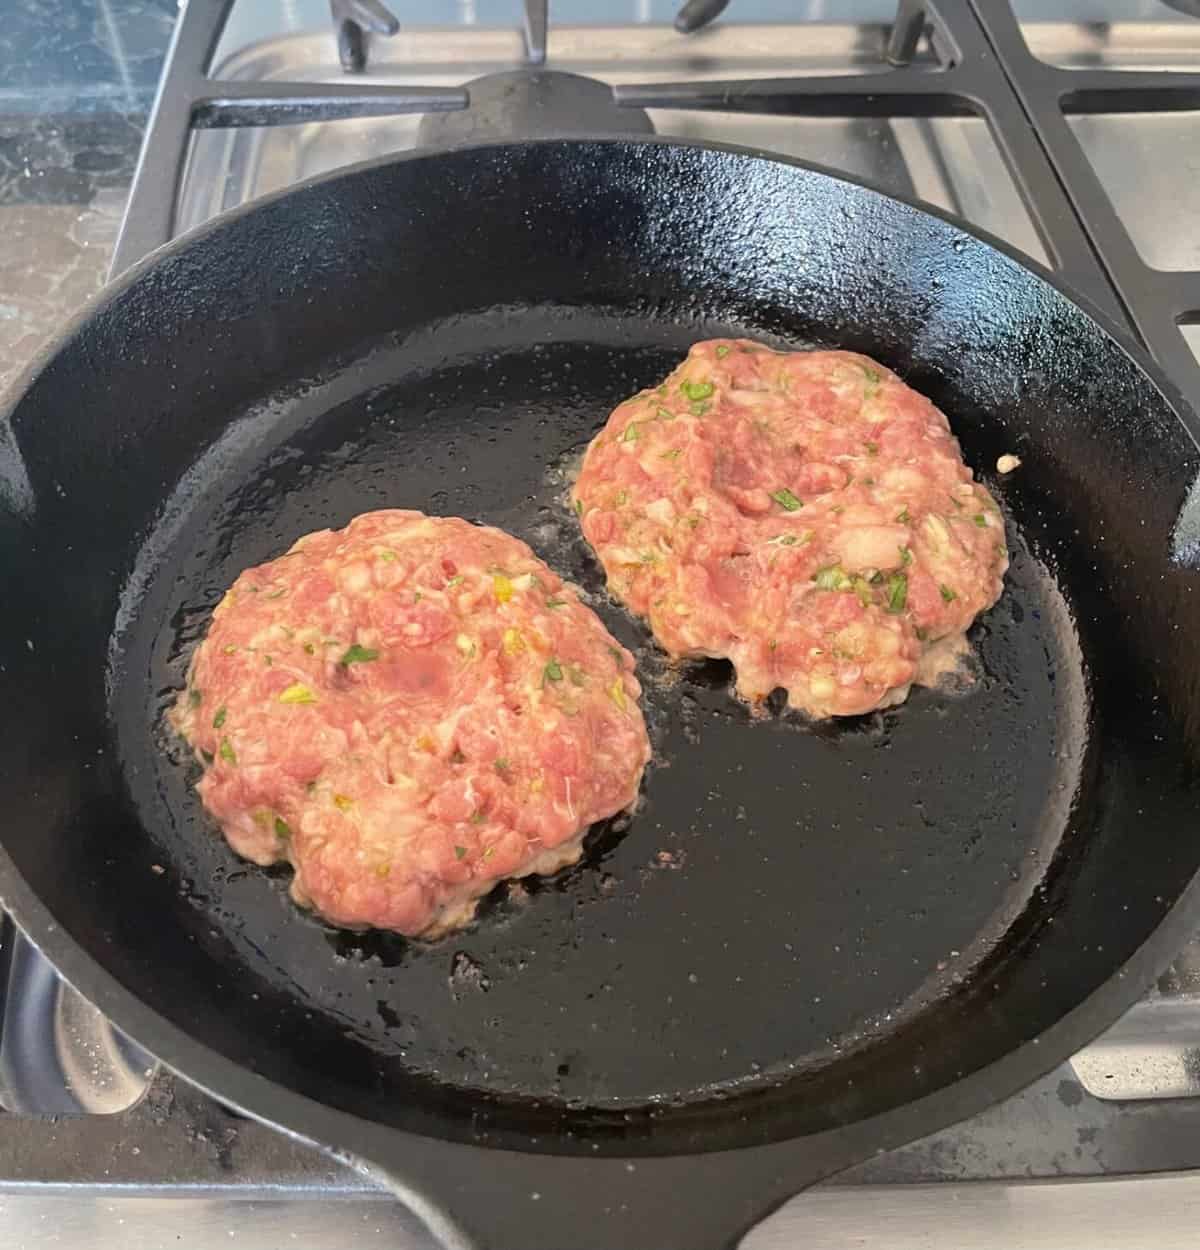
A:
x: 946, y: 102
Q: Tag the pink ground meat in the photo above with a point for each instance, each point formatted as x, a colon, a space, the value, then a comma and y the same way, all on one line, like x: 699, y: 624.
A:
x: 805, y: 514
x: 409, y: 710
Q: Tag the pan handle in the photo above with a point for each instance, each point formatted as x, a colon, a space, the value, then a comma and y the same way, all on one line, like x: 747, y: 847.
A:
x: 490, y: 1199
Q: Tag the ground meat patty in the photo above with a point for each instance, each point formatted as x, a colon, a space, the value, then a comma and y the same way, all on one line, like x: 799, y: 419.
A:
x: 804, y: 514
x: 409, y: 710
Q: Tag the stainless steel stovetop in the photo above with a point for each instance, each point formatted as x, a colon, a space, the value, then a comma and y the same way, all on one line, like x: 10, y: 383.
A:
x: 99, y: 1147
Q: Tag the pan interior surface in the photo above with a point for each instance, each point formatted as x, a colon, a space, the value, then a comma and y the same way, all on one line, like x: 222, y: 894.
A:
x: 785, y: 890
x: 810, y: 923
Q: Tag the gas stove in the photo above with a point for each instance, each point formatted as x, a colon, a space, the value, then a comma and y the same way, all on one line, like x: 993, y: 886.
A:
x: 1066, y: 127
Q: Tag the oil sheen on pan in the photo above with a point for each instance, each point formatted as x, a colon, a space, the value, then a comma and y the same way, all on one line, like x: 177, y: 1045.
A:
x: 804, y: 514
x: 409, y: 710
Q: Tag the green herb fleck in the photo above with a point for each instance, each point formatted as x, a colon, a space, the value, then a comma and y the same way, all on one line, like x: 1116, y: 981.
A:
x: 460, y: 852
x: 556, y: 603
x: 386, y: 554
x: 478, y: 816
x: 552, y: 672
x: 282, y: 831
x: 906, y: 556
x: 358, y: 655
x: 195, y: 698
x: 309, y: 649
x: 417, y: 596
x: 948, y: 595
x: 697, y: 391
x: 862, y: 588
x: 722, y: 352
x: 831, y: 577
x: 786, y: 500
x: 226, y: 751
x: 632, y: 433
x: 491, y: 850
x: 579, y: 507
x: 921, y: 632
x: 456, y: 580
x: 872, y: 448
x: 784, y: 540
x: 278, y: 594
x: 980, y: 520
x: 622, y: 498
x: 206, y: 756
x: 576, y: 675
x: 219, y: 719
x: 897, y: 592
x: 502, y: 766
x: 673, y: 454
x: 664, y: 414
x: 617, y: 658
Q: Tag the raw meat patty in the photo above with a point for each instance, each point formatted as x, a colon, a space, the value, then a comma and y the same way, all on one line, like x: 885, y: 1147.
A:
x: 804, y: 514
x: 409, y: 710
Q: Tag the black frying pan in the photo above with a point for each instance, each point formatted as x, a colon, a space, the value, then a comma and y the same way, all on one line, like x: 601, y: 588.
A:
x: 812, y: 941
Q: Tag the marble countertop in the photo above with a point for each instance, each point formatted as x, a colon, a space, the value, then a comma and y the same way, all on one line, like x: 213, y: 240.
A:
x: 77, y: 79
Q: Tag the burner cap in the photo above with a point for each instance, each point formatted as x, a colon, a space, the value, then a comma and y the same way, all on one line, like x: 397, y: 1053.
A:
x: 533, y: 104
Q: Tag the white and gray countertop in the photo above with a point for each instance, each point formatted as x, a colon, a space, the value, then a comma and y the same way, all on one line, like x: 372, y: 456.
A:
x: 77, y: 78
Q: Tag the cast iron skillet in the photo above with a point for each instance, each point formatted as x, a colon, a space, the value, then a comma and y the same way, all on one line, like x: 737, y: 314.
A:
x: 811, y: 942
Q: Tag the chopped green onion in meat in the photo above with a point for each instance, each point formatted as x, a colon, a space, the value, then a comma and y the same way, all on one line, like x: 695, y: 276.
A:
x: 354, y: 655
x: 832, y: 577
x: 298, y: 692
x: 897, y: 592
